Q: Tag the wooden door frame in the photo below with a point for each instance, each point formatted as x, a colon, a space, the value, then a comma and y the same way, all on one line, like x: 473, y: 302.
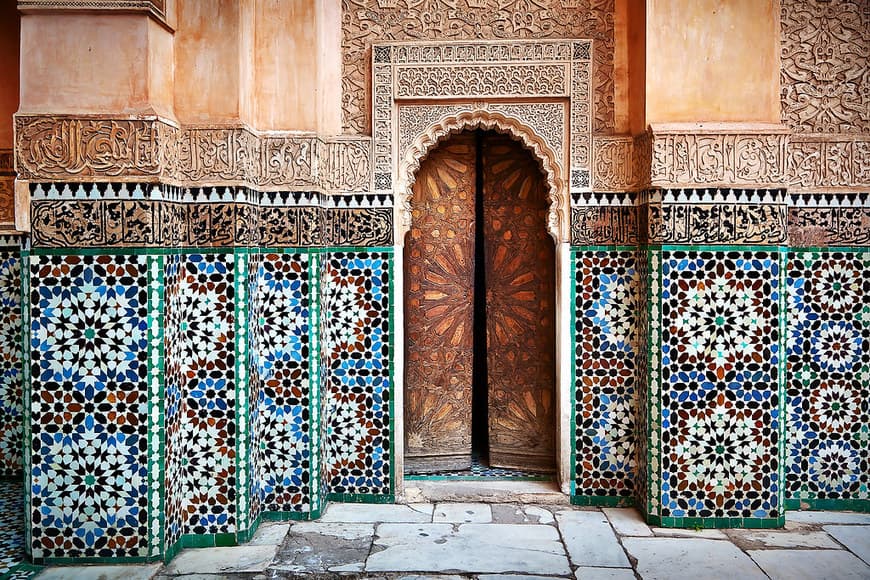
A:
x: 424, y: 92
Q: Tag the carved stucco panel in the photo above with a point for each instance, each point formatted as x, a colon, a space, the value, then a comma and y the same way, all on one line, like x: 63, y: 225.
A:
x: 825, y: 77
x: 367, y: 22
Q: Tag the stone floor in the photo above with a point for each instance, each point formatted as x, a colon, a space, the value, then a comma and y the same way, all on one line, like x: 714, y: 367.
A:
x: 488, y: 541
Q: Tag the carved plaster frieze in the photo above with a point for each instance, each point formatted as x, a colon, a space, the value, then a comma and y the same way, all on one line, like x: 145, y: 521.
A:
x: 155, y: 8
x: 832, y: 219
x: 832, y: 162
x: 499, y: 80
x: 824, y: 74
x: 84, y: 148
x: 365, y: 23
x: 68, y: 149
x: 720, y: 156
x: 613, y: 165
x: 344, y: 164
x: 7, y: 162
x: 716, y: 216
x: 85, y: 215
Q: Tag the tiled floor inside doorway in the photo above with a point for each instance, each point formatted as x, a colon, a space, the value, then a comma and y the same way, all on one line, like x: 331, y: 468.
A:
x: 12, y: 564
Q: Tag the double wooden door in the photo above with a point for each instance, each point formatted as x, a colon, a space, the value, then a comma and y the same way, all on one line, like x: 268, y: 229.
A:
x: 479, y: 189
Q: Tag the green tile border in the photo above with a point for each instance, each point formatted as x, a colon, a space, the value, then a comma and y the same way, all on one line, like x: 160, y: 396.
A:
x: 603, y: 501
x: 572, y: 417
x: 825, y: 504
x: 715, y: 523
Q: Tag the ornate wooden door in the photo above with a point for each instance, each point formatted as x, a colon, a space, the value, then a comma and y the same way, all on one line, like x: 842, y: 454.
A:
x: 439, y: 299
x: 520, y: 308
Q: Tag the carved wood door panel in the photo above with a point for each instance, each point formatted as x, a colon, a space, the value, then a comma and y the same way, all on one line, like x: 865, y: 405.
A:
x: 439, y: 299
x: 520, y: 308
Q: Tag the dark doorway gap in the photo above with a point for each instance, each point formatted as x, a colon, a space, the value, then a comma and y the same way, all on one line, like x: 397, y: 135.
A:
x: 479, y: 377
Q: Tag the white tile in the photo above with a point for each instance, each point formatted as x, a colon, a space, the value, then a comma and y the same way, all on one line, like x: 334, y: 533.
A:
x: 269, y: 533
x: 789, y: 539
x: 685, y: 533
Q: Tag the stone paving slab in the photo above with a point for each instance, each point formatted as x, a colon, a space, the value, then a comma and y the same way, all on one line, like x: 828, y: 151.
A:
x: 584, y: 573
x: 590, y: 539
x: 269, y: 533
x: 518, y: 514
x: 222, y: 560
x: 757, y: 539
x: 364, y: 512
x: 808, y: 517
x: 462, y: 513
x: 685, y: 533
x: 126, y: 572
x: 690, y: 559
x: 627, y: 522
x: 855, y: 538
x: 811, y: 564
x: 470, y: 548
x: 325, y: 547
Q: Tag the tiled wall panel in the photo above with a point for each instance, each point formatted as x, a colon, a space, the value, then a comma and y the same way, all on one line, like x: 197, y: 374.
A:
x: 359, y: 344
x: 208, y: 429
x: 605, y: 397
x: 828, y: 338
x: 88, y: 479
x: 11, y: 393
x: 284, y: 404
x: 719, y: 415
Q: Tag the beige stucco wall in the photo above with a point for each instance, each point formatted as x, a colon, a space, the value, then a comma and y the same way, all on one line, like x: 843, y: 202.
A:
x: 207, y: 61
x: 93, y: 63
x: 712, y: 60
x: 285, y: 65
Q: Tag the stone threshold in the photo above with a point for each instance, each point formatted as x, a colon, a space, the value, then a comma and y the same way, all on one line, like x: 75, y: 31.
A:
x: 483, y: 491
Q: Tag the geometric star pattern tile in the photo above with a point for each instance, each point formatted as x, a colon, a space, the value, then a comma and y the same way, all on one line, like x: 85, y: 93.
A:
x: 88, y: 479
x: 255, y: 342
x: 174, y: 403
x: 605, y: 352
x: 360, y: 388
x: 11, y: 390
x: 284, y: 401
x: 828, y: 391
x: 720, y: 373
x: 208, y: 429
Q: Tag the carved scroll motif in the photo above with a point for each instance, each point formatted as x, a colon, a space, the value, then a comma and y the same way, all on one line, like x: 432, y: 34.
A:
x: 545, y: 80
x: 825, y: 77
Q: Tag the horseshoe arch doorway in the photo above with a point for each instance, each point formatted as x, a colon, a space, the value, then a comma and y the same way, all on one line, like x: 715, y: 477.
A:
x: 480, y: 304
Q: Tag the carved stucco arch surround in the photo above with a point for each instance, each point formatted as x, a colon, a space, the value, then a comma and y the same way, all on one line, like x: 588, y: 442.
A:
x: 416, y: 153
x: 558, y: 228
